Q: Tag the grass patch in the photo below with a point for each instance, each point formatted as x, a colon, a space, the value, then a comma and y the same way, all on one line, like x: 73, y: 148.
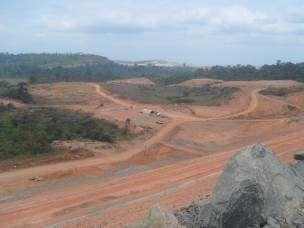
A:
x: 31, y: 131
x: 154, y: 94
x: 281, y: 92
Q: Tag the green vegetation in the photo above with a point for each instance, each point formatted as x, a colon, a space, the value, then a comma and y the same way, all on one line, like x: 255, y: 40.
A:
x: 49, y: 61
x: 281, y: 91
x: 31, y: 131
x: 278, y: 71
x: 206, y: 95
x: 39, y: 68
x: 18, y: 92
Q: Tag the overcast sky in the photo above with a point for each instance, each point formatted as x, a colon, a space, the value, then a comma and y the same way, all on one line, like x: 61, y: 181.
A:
x: 193, y: 31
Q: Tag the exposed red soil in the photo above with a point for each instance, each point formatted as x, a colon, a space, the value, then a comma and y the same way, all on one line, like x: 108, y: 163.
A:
x: 279, y: 109
x: 178, y: 164
x: 42, y: 159
x: 72, y: 93
x: 296, y: 99
x: 160, y: 153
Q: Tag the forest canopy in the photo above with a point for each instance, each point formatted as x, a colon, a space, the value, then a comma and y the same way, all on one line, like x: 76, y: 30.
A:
x: 39, y: 68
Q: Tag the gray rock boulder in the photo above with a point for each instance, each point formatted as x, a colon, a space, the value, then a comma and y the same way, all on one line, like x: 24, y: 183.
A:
x: 299, y: 167
x: 254, y: 187
x: 254, y: 190
x: 194, y: 215
x: 158, y: 218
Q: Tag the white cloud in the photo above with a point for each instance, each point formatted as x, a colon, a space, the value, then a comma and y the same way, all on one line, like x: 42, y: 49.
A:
x: 235, y: 19
x: 201, y: 30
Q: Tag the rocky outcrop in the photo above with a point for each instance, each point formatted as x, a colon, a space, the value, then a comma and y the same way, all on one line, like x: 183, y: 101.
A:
x: 158, y: 218
x: 254, y: 190
x: 299, y: 167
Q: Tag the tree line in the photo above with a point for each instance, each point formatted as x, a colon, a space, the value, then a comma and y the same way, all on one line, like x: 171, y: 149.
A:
x: 279, y: 71
x: 39, y: 68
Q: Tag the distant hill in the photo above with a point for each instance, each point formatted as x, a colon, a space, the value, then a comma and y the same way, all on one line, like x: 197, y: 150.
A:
x: 82, y: 67
x: 86, y: 67
x: 51, y: 60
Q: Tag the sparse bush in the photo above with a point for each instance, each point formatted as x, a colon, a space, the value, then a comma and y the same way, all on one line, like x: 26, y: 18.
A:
x: 7, y: 107
x: 206, y: 95
x: 18, y: 92
x: 30, y: 131
x: 281, y: 91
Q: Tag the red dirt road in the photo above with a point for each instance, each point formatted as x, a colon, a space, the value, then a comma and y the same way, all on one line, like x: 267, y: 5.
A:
x: 120, y: 199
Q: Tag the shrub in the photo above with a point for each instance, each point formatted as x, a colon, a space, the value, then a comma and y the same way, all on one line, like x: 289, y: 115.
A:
x: 30, y: 131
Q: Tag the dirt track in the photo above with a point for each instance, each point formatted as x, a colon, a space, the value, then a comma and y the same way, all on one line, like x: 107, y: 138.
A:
x: 156, y: 138
x: 111, y: 98
x: 121, y: 199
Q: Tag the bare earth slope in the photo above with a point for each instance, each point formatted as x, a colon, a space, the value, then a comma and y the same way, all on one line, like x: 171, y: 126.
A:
x: 120, y: 188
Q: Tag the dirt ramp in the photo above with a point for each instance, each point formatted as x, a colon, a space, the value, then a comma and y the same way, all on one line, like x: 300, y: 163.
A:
x: 271, y: 108
x: 297, y: 99
x: 160, y: 153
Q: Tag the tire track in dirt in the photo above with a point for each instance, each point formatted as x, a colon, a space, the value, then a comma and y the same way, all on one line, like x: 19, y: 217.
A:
x: 170, y: 176
x: 193, y: 181
x: 110, y: 97
x: 42, y: 208
x: 185, y: 172
x: 156, y: 138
